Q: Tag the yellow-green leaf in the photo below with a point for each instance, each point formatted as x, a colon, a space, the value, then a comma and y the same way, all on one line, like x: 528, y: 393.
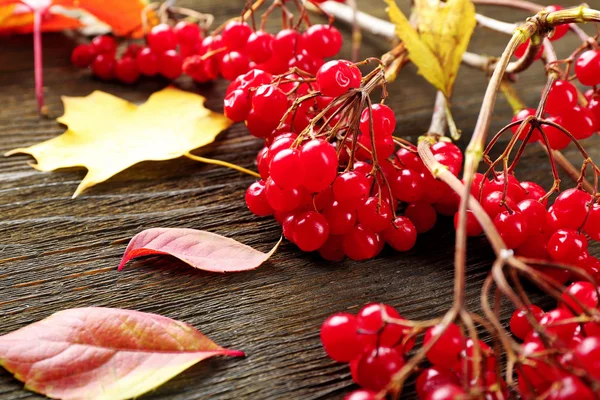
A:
x: 444, y: 29
x: 420, y: 54
x: 107, y: 134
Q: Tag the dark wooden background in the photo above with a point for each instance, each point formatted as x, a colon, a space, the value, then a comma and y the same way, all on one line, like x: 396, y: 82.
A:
x: 58, y: 253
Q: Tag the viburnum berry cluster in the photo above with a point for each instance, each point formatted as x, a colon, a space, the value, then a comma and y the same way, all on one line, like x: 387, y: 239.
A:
x: 321, y: 178
x: 230, y: 51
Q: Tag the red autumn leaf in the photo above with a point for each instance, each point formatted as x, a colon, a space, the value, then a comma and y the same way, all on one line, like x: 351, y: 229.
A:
x: 103, y: 353
x: 200, y: 249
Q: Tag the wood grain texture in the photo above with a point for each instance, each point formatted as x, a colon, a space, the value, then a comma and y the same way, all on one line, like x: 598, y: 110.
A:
x: 58, y: 253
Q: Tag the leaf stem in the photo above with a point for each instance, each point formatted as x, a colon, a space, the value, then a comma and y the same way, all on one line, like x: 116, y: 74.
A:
x: 222, y: 164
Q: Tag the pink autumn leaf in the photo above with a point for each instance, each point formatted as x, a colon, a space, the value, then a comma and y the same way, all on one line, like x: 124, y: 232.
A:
x: 103, y: 353
x: 200, y: 249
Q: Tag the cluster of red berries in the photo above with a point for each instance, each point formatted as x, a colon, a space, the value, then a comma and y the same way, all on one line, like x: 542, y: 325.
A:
x: 166, y: 49
x: 562, y: 108
x: 525, y: 224
x: 171, y: 51
x: 375, y: 343
x: 566, y: 357
x: 333, y: 194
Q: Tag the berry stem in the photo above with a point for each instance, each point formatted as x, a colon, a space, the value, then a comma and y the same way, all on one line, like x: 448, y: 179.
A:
x: 222, y: 164
x: 438, y: 118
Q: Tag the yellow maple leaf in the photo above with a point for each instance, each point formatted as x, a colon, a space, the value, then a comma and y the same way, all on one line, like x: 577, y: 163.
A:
x: 443, y: 33
x: 107, y: 134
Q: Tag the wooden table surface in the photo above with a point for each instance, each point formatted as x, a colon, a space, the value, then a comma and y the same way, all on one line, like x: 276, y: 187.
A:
x: 58, y: 253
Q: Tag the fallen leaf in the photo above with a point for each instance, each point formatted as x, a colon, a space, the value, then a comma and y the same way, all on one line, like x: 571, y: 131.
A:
x: 103, y: 353
x: 443, y: 33
x: 200, y: 249
x: 107, y: 134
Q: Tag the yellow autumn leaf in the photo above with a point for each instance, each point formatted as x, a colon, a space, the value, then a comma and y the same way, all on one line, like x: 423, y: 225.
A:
x: 107, y: 134
x: 445, y: 29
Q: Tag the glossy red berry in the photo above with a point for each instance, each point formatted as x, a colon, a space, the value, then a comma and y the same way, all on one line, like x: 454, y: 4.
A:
x: 562, y: 96
x: 147, y: 62
x: 161, y: 38
x: 103, y: 66
x: 361, y: 395
x: 401, y: 235
x: 187, y: 33
x: 408, y: 186
x: 170, y: 64
x: 512, y: 228
x: 535, y: 213
x: 341, y: 220
x: 587, y: 356
x: 447, y: 348
x: 104, y: 45
x: 384, y: 124
x: 236, y: 34
x: 375, y: 214
x: 322, y: 41
x: 320, y: 161
x: 522, y: 49
x: 360, y: 243
x: 287, y: 169
x: 560, y: 30
x: 340, y: 338
x: 554, y: 322
x: 587, y: 68
x: 351, y: 189
x: 236, y: 105
x: 571, y: 207
x: 374, y: 329
x: 82, y: 56
x: 337, y: 77
x: 422, y: 215
x: 565, y: 245
x: 256, y: 199
x: 311, y: 231
x: 584, y: 292
x: 288, y: 43
x: 269, y: 102
x: 473, y: 226
x: 446, y: 392
x: 376, y: 367
x: 260, y: 46
x: 520, y: 116
x: 519, y: 324
x: 282, y: 199
x: 570, y: 387
x: 234, y: 64
x: 494, y: 203
x: 126, y: 70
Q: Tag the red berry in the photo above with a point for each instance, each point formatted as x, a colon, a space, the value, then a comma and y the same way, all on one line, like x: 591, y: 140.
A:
x: 82, y: 56
x: 512, y: 228
x: 562, y: 96
x: 311, y: 231
x: 587, y: 67
x: 288, y: 43
x: 384, y: 124
x: 520, y: 51
x: 519, y: 324
x: 133, y: 50
x: 560, y: 30
x: 187, y: 33
x: 565, y: 245
x: 493, y: 205
x: 351, y: 189
x: 375, y: 214
x: 407, y: 158
x: 282, y: 199
x: 126, y: 70
x: 287, y: 169
x: 584, y: 292
x: 473, y: 226
x: 374, y: 330
x: 361, y: 395
x: 446, y: 392
x: 256, y: 199
x: 422, y: 215
x: 534, y: 247
x: 170, y: 64
x: 340, y: 219
x: 337, y: 77
x: 104, y: 45
x: 533, y: 191
x: 269, y: 102
x: 571, y: 207
x: 321, y: 162
x: 592, y: 224
x: 554, y: 322
x: 260, y: 46
x: 587, y: 356
x: 306, y: 62
x: 103, y: 66
x: 147, y: 62
x: 360, y: 243
x: 376, y: 368
x: 234, y: 64
x: 408, y: 186
x: 332, y: 249
x: 401, y: 235
x: 340, y: 338
x: 322, y: 41
x: 434, y: 377
x: 520, y: 116
x: 557, y: 139
x: 235, y: 35
x: 535, y: 213
x: 161, y: 38
x: 570, y: 388
x: 447, y: 348
x: 237, y: 105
